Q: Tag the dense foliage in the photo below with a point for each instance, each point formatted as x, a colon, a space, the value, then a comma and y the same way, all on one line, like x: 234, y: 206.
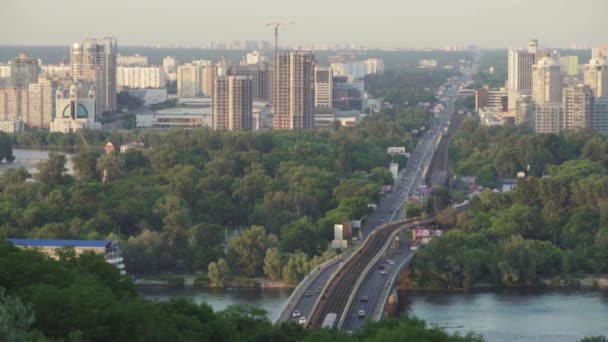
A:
x: 172, y: 201
x: 85, y: 299
x: 553, y: 224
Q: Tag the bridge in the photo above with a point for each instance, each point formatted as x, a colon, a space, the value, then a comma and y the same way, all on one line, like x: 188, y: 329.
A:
x: 356, y: 286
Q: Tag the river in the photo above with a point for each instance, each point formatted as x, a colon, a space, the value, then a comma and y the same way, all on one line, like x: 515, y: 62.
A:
x: 269, y: 299
x: 29, y: 158
x: 554, y: 316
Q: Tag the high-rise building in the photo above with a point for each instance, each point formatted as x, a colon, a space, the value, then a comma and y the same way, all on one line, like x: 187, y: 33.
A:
x: 347, y: 93
x: 578, y: 106
x: 323, y: 87
x: 261, y: 78
x: 41, y: 106
x: 547, y: 81
x: 24, y: 70
x: 293, y: 98
x: 569, y: 65
x: 375, y: 66
x: 14, y: 104
x: 210, y: 73
x: 596, y: 76
x: 548, y: 118
x: 140, y: 77
x: 519, y: 76
x: 600, y: 115
x: 524, y: 114
x: 131, y: 61
x: 189, y: 80
x: 94, y: 61
x: 252, y: 58
x: 520, y: 71
x: 232, y: 103
x: 170, y: 68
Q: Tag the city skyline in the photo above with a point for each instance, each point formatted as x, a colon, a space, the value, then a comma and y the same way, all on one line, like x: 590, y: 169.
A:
x: 388, y: 24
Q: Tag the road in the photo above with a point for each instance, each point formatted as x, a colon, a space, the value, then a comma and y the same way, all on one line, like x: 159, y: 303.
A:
x: 372, y: 287
x: 304, y: 305
x: 412, y: 178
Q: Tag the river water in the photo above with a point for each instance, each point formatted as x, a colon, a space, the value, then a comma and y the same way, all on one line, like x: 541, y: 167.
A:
x: 29, y: 158
x: 269, y: 299
x: 499, y: 317
x: 512, y: 316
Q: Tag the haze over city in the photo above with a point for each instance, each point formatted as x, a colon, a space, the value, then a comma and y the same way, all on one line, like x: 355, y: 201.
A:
x: 382, y: 23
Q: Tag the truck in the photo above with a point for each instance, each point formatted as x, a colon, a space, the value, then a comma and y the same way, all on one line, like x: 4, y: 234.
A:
x: 330, y: 321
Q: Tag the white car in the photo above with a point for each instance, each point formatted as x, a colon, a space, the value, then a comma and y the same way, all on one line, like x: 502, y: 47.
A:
x: 382, y: 272
x: 361, y: 313
x: 302, y: 320
x: 296, y: 313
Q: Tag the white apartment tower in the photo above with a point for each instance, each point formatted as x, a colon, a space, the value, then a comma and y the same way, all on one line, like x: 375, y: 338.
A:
x: 323, y: 87
x: 519, y: 77
x: 596, y: 76
x: 547, y: 81
x: 232, y: 103
x: 293, y: 90
x: 189, y: 80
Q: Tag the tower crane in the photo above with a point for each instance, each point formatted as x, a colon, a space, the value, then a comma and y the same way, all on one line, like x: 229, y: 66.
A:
x: 276, y: 26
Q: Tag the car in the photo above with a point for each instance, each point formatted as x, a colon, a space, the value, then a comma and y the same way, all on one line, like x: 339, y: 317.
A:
x: 382, y: 272
x: 413, y: 248
x: 381, y: 266
x: 308, y: 294
x: 363, y: 299
x: 361, y: 313
x: 302, y: 320
x: 390, y: 262
x: 399, y: 252
x: 296, y: 313
x: 318, y: 290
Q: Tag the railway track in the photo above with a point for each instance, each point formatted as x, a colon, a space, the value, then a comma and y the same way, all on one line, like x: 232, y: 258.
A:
x: 335, y: 295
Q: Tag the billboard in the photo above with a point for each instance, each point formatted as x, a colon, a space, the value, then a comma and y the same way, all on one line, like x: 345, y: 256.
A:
x: 395, y: 150
x: 423, y: 233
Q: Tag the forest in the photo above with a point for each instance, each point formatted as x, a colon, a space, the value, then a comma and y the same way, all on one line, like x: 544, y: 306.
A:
x: 172, y: 200
x: 552, y: 229
x: 84, y: 298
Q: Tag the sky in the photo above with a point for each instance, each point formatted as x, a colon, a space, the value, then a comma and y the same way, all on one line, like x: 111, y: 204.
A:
x: 372, y: 23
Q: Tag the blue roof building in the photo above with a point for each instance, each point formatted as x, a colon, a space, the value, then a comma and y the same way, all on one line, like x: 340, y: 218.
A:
x: 108, y: 248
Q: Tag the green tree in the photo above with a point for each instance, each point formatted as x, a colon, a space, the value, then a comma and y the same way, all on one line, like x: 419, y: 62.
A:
x: 85, y: 165
x: 250, y: 248
x: 110, y: 166
x: 296, y: 268
x: 218, y: 273
x: 6, y: 148
x: 273, y: 264
x: 51, y: 171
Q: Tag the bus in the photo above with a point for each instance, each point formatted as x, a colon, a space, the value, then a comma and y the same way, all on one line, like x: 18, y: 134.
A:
x: 330, y: 321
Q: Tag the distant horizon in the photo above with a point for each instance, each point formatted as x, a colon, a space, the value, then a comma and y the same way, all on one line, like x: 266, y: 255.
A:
x: 382, y: 24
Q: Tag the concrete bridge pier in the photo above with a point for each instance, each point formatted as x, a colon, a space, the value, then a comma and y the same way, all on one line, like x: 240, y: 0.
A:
x: 392, y: 304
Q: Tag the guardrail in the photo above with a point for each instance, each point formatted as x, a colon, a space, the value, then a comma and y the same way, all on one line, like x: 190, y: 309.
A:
x: 304, y: 284
x: 331, y: 278
x: 377, y: 314
x: 362, y: 277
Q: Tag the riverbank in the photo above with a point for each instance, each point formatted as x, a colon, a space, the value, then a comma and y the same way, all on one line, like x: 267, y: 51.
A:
x: 588, y: 282
x: 197, y: 280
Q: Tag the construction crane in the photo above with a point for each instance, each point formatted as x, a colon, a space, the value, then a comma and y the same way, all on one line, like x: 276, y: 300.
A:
x: 276, y: 33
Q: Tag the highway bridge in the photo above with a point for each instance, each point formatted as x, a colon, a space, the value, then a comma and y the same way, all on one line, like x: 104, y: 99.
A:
x: 353, y: 287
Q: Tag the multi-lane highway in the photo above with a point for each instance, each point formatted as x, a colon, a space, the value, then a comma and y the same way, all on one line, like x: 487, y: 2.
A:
x: 305, y: 303
x: 376, y: 283
x: 390, y: 209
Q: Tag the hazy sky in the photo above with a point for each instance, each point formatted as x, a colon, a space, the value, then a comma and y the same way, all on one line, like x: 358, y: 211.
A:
x: 381, y: 23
